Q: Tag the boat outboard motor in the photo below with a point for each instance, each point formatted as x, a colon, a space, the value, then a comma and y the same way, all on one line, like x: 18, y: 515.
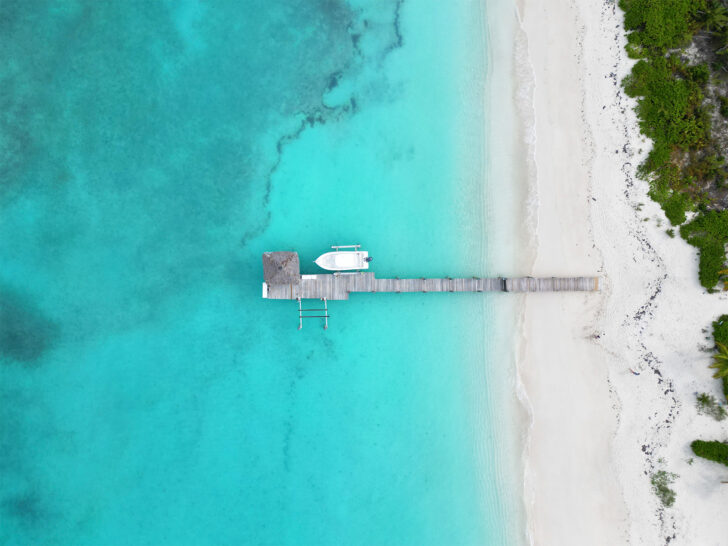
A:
x: 368, y: 259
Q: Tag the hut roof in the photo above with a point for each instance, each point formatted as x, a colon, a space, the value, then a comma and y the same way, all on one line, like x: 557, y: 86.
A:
x: 281, y: 268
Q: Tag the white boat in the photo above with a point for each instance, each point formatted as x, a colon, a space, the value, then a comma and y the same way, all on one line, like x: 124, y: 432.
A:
x: 344, y: 260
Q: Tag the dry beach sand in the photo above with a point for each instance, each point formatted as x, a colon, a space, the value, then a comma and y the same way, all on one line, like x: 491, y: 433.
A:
x: 597, y: 430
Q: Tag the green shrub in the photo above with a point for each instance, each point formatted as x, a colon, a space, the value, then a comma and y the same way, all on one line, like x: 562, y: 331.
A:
x: 722, y: 56
x: 720, y: 330
x: 723, y: 106
x: 713, y: 451
x: 700, y: 74
x: 708, y: 167
x: 668, y: 177
x: 670, y: 95
x: 668, y: 106
x: 661, y: 482
x: 708, y: 405
x: 659, y: 25
x: 712, y: 260
x: 656, y: 160
x: 720, y: 335
x: 709, y: 233
x: 675, y: 207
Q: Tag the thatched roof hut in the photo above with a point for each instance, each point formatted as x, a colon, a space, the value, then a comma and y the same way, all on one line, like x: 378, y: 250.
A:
x: 281, y: 268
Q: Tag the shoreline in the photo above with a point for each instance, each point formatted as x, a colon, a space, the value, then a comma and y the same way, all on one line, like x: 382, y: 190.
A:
x: 570, y: 496
x: 525, y: 111
x: 502, y: 205
x: 598, y: 432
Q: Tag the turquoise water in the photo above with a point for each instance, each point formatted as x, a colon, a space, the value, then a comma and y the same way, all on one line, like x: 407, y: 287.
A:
x: 150, y: 152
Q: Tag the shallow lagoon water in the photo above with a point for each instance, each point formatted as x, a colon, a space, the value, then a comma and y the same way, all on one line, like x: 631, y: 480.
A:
x: 151, y: 152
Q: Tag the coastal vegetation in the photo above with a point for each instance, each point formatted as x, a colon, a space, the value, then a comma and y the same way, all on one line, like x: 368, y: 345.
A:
x: 720, y: 359
x: 720, y: 362
x: 708, y: 405
x: 661, y: 482
x: 713, y: 451
x: 682, y: 68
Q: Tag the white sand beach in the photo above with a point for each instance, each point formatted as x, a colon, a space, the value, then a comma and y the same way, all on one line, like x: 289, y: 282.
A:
x: 599, y: 431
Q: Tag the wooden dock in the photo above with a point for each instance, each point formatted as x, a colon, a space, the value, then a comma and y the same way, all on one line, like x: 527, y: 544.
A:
x: 339, y: 286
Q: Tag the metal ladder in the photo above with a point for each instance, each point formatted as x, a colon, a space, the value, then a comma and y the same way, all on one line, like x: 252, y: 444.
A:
x: 303, y: 314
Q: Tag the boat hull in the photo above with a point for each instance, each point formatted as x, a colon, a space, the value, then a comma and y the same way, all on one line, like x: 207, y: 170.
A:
x: 343, y: 260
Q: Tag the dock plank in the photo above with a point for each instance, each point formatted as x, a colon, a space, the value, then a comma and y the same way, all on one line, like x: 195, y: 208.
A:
x: 339, y: 286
